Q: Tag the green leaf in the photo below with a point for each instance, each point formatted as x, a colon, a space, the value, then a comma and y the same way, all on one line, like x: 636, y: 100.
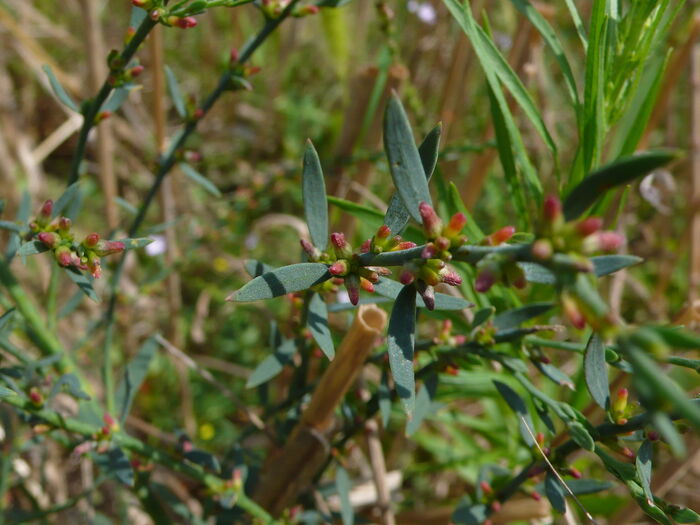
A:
x: 318, y: 325
x: 256, y: 268
x: 581, y: 436
x: 470, y: 514
x: 116, y: 464
x: 83, y: 282
x: 455, y: 204
x: 397, y: 215
x: 58, y: 90
x: 126, y: 206
x: 595, y: 370
x: 116, y: 100
x: 391, y: 289
x: 70, y: 384
x: 343, y: 486
x: 175, y: 93
x: 384, y: 395
x: 67, y: 197
x: 6, y: 392
x: 517, y: 405
x: 32, y: 248
x: 582, y: 487
x: 134, y: 375
x: 313, y: 189
x: 554, y: 491
x: 205, y: 459
x: 602, y: 265
x: 200, y: 179
x: 135, y: 243
x: 677, y: 337
x: 272, y: 364
x: 11, y: 226
x: 5, y: 321
x: 281, y: 281
x: 493, y: 62
x: 400, y: 343
x: 372, y: 218
x: 617, y: 173
x: 643, y: 463
x: 481, y: 316
x: 425, y: 406
x: 404, y: 161
x: 517, y: 316
x: 683, y: 515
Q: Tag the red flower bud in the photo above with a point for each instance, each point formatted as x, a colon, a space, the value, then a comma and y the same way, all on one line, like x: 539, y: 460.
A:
x: 552, y: 208
x: 455, y: 226
x: 64, y: 256
x: 536, y: 495
x: 450, y: 277
x: 620, y: 401
x: 64, y: 224
x: 340, y: 246
x: 542, y: 249
x: 136, y: 71
x: 486, y: 487
x: 366, y: 246
x: 575, y: 473
x: 46, y: 209
x: 485, y: 279
x: 183, y: 23
x: 432, y: 225
x: 35, y: 397
x: 233, y: 57
x: 406, y: 277
x: 383, y: 232
x: 429, y: 251
x: 588, y: 226
x: 91, y: 240
x: 572, y: 312
x: 442, y: 243
x: 312, y: 252
x: 50, y: 239
x: 366, y: 285
x: 338, y: 268
x: 109, y: 247
x: 501, y: 236
x: 352, y: 285
x: 610, y: 241
x: 427, y: 293
x: 405, y: 245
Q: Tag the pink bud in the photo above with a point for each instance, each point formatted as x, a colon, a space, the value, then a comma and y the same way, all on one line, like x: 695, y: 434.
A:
x: 429, y: 251
x: 502, y: 235
x: 486, y: 487
x: 50, y: 239
x: 47, y: 209
x: 185, y: 22
x: 456, y: 224
x: 366, y: 285
x: 35, y: 396
x: 542, y: 249
x: 428, y: 295
x: 572, y: 312
x: 383, y: 232
x: 442, y: 243
x: 610, y: 241
x: 109, y: 247
x: 575, y: 473
x: 310, y: 9
x: 352, y: 285
x: 366, y: 246
x: 406, y: 277
x: 338, y: 268
x: 136, y: 71
x: 485, y: 279
x: 64, y: 256
x: 340, y: 245
x: 233, y: 57
x: 91, y: 240
x: 536, y: 495
x: 432, y: 225
x: 312, y: 252
x: 552, y: 208
x: 139, y: 3
x: 64, y: 224
x: 405, y: 245
x: 109, y: 420
x: 588, y: 226
x: 94, y: 267
x: 450, y: 277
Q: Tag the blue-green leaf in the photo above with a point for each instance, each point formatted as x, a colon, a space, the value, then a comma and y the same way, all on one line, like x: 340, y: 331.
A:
x: 32, y: 248
x: 602, y: 265
x: 135, y: 243
x: 134, y: 374
x: 404, y: 161
x: 116, y: 464
x: 72, y: 192
x: 596, y: 372
x: 313, y: 190
x: 116, y: 99
x: 256, y: 268
x: 400, y: 343
x: 622, y: 171
x: 5, y: 321
x: 70, y: 384
x: 281, y: 281
x: 643, y: 463
x: 517, y: 316
x: 83, y: 282
x: 470, y: 514
x: 670, y: 434
x: 9, y: 225
x: 425, y: 406
x: 397, y: 215
x: 272, y: 364
x: 175, y: 93
x: 205, y: 459
x: 58, y: 90
x: 318, y: 325
x: 581, y: 436
x: 343, y: 486
x: 384, y: 394
x: 517, y: 405
x: 555, y: 493
x: 200, y: 179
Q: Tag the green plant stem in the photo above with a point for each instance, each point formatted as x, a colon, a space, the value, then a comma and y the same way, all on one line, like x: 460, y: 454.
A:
x: 52, y: 299
x: 92, y: 108
x: 165, y: 164
x: 123, y: 440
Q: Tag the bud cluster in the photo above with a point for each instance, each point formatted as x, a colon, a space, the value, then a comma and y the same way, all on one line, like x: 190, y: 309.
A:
x: 445, y: 336
x: 172, y: 18
x: 56, y: 235
x: 498, y: 268
x: 431, y: 269
x: 121, y: 74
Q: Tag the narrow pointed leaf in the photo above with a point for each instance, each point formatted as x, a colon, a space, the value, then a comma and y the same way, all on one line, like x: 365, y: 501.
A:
x: 205, y: 459
x: 256, y: 268
x: 116, y: 464
x: 6, y: 320
x: 11, y: 226
x: 70, y: 384
x: 58, y: 90
x: 517, y: 316
x: 617, y: 173
x: 643, y: 462
x: 669, y: 433
x: 391, y: 289
x: 199, y: 179
x: 135, y: 243
x: 397, y: 216
x: 318, y: 325
x: 134, y: 375
x: 83, y: 282
x: 343, y: 486
x: 470, y: 514
x: 32, y: 248
x: 175, y: 93
x: 313, y: 189
x: 404, y: 161
x: 596, y: 372
x: 555, y: 493
x: 581, y: 436
x: 116, y: 100
x: 400, y: 343
x: 282, y: 281
x: 425, y: 405
x: 272, y: 364
x: 68, y: 196
x: 517, y: 405
x: 384, y: 394
x: 602, y: 265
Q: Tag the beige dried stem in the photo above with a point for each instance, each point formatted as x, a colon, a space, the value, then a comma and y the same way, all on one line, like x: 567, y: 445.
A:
x: 94, y: 42
x: 289, y: 471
